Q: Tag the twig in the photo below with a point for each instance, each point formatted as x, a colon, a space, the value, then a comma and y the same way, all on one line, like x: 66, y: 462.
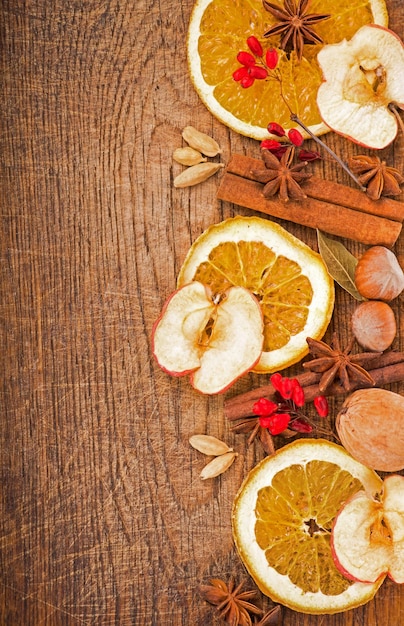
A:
x: 295, y: 118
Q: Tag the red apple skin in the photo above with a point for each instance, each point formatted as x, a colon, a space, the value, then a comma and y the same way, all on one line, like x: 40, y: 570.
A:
x: 380, y: 27
x: 156, y: 323
x: 344, y: 572
x: 397, y: 582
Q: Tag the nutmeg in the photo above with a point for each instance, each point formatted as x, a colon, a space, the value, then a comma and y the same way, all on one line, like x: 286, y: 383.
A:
x: 374, y: 325
x: 370, y: 426
x: 378, y: 275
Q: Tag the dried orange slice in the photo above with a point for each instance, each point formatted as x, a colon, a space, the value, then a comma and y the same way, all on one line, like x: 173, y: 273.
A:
x: 289, y: 279
x: 282, y: 521
x: 218, y: 30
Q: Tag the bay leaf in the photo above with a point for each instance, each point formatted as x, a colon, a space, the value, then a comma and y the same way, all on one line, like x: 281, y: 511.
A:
x: 340, y: 263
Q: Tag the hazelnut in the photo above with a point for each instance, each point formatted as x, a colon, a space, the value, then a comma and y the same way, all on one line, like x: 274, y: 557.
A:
x: 378, y: 275
x: 374, y: 325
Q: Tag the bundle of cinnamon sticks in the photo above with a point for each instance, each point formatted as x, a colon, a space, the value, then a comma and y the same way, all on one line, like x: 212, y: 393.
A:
x: 384, y: 369
x: 331, y: 207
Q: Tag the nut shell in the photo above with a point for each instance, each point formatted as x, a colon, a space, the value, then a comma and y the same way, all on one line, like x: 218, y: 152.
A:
x: 188, y: 156
x: 374, y: 325
x: 370, y: 426
x: 201, y: 141
x: 378, y: 275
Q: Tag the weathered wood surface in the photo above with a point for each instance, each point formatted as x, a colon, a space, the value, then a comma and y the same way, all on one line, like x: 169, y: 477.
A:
x: 104, y: 518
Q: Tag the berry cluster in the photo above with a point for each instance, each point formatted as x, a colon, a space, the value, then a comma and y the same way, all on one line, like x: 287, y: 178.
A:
x: 286, y: 413
x: 295, y: 138
x: 257, y: 65
x: 254, y: 64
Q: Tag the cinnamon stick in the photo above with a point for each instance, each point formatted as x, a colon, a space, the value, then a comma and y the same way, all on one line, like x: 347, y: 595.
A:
x: 330, y: 218
x: 326, y: 216
x: 384, y: 369
x: 381, y: 376
x: 327, y: 191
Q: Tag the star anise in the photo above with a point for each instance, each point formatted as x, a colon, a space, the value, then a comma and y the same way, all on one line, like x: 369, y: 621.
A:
x: 234, y: 605
x: 294, y: 25
x: 332, y: 362
x: 378, y: 178
x: 281, y: 176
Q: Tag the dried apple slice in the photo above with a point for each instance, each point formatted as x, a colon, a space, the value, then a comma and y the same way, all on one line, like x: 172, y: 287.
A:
x: 361, y: 78
x: 215, y: 342
x: 367, y: 539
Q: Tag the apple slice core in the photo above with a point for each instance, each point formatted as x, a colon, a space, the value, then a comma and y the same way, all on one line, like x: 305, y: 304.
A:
x: 215, y: 342
x: 235, y: 345
x: 361, y: 78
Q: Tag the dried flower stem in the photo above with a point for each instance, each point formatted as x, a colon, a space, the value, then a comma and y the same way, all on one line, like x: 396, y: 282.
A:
x: 318, y: 429
x: 296, y: 119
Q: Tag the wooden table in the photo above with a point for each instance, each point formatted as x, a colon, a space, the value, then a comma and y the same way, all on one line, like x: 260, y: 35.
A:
x: 104, y: 518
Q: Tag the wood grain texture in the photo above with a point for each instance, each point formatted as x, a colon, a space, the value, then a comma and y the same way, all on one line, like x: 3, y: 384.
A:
x: 104, y: 518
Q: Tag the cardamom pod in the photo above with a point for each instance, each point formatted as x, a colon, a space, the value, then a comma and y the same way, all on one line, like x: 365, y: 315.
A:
x: 218, y: 465
x: 188, y: 156
x: 207, y: 444
x: 200, y: 141
x: 196, y: 174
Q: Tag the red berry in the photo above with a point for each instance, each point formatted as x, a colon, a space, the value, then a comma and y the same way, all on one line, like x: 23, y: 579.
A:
x: 264, y: 407
x: 255, y: 46
x: 308, y: 155
x: 301, y: 426
x: 247, y: 81
x: 297, y: 393
x: 271, y: 58
x: 286, y: 390
x: 279, y: 152
x: 276, y: 381
x: 275, y: 129
x: 240, y: 73
x: 271, y: 144
x: 295, y: 136
x: 283, y: 386
x: 278, y: 423
x: 265, y: 421
x: 245, y: 58
x: 321, y: 404
x: 258, y: 72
